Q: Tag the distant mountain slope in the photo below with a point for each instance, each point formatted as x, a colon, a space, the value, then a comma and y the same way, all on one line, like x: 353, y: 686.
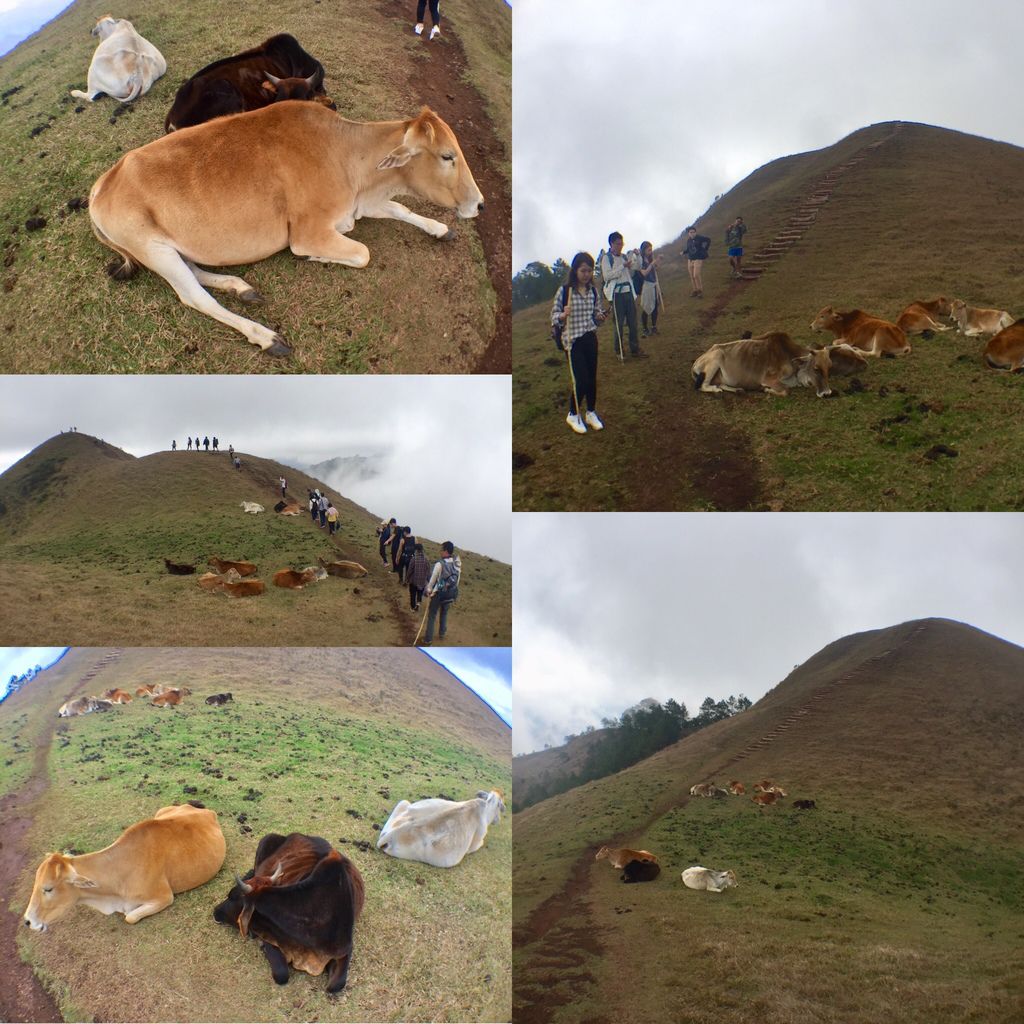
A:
x: 907, y: 740
x: 892, y: 213
x: 323, y: 741
x: 85, y: 527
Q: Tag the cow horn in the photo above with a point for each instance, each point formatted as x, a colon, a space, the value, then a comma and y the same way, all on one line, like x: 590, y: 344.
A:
x: 311, y: 81
x: 278, y: 871
x: 245, y: 887
x: 271, y: 78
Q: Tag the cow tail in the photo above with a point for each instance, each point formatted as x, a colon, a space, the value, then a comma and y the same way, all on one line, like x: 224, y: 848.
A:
x: 123, y: 270
x: 134, y: 85
x: 698, y: 380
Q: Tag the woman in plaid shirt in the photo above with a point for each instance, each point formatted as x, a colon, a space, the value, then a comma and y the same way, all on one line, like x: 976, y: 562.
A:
x: 579, y: 338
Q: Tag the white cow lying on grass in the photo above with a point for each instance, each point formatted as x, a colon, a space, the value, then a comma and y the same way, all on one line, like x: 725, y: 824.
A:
x: 440, y: 832
x: 251, y: 506
x: 705, y: 878
x: 124, y: 65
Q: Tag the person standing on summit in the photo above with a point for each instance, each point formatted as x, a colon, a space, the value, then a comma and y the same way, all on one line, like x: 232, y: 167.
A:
x: 734, y: 240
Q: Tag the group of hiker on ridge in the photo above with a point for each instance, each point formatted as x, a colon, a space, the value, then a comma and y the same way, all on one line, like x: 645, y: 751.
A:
x: 626, y: 279
x: 210, y: 445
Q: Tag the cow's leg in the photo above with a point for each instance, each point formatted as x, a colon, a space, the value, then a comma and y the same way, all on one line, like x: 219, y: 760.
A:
x: 164, y: 260
x: 162, y: 902
x: 389, y: 209
x: 322, y: 242
x: 278, y: 963
x: 338, y: 976
x: 225, y: 283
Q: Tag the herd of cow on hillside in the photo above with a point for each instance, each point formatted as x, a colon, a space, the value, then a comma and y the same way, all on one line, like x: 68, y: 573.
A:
x: 773, y: 362
x: 301, y: 899
x: 240, y: 176
x: 644, y: 866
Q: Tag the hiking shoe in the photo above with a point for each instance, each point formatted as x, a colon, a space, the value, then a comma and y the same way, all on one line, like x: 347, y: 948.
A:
x: 419, y: 29
x: 435, y: 32
x: 576, y: 423
x: 639, y: 354
x: 593, y: 421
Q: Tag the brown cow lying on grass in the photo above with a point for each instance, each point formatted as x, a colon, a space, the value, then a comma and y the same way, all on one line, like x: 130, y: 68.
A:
x: 772, y: 362
x: 234, y: 587
x: 923, y: 317
x: 296, y: 579
x: 346, y: 570
x: 871, y: 334
x: 242, y: 568
x: 116, y: 696
x: 621, y: 857
x: 1006, y: 350
x: 972, y: 321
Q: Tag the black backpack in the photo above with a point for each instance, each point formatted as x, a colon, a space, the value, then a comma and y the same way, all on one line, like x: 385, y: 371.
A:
x: 703, y: 246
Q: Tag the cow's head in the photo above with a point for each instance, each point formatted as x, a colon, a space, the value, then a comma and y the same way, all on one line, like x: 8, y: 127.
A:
x: 725, y: 879
x: 435, y: 167
x: 57, y: 889
x: 825, y: 320
x: 494, y: 804
x: 812, y: 371
x: 957, y: 307
x: 293, y: 88
x: 943, y: 306
x: 107, y: 25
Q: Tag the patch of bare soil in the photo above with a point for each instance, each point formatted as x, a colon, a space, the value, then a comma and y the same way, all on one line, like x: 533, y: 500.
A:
x: 22, y: 998
x: 438, y: 79
x: 716, y: 461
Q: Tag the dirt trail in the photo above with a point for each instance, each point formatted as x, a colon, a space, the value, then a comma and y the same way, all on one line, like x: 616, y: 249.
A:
x: 564, y: 929
x: 439, y: 83
x: 713, y: 465
x: 22, y: 998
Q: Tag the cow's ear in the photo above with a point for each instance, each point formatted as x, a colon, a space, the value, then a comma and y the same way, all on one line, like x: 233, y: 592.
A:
x: 80, y: 881
x: 269, y: 87
x: 398, y: 157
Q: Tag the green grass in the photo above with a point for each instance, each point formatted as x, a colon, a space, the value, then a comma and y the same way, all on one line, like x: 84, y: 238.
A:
x: 311, y: 736
x: 63, y: 314
x: 879, y: 243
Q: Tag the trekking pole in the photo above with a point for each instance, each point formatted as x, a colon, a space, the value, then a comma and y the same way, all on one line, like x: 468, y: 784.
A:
x: 568, y: 352
x: 618, y: 329
x: 661, y: 298
x: 423, y: 622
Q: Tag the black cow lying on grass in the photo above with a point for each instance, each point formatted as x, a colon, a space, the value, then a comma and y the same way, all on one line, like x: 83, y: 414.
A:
x: 640, y: 871
x: 805, y: 805
x: 178, y: 568
x: 219, y: 698
x: 301, y: 900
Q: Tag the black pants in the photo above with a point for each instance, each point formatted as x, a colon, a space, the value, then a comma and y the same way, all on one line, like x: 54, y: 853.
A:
x: 625, y: 317
x: 415, y: 596
x: 583, y: 357
x: 435, y: 12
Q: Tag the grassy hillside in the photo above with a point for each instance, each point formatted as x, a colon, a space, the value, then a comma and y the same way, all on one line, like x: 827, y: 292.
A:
x: 64, y: 315
x: 322, y: 741
x: 84, y: 529
x: 899, y: 898
x: 912, y: 212
x: 528, y: 770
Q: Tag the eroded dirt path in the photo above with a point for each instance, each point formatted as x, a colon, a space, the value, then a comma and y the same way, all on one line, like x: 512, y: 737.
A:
x: 438, y: 81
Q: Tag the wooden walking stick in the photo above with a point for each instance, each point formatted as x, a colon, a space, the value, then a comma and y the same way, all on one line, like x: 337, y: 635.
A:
x: 423, y: 622
x: 568, y: 350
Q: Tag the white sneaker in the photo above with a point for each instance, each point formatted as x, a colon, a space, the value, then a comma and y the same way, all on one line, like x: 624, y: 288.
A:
x: 435, y: 32
x: 593, y: 421
x: 576, y: 423
x: 419, y: 29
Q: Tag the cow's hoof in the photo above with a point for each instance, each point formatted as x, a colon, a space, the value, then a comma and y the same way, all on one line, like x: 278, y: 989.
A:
x: 252, y: 296
x: 279, y: 348
x: 449, y: 236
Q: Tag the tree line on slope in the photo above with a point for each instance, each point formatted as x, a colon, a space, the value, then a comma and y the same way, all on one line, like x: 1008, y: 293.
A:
x: 637, y: 734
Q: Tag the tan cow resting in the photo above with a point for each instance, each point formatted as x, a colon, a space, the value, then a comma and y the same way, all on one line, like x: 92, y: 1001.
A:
x: 971, y: 321
x: 293, y: 175
x: 179, y: 848
x: 621, y: 857
x: 117, y: 696
x: 870, y: 334
x: 772, y: 362
x: 920, y: 317
x: 296, y: 579
x: 346, y: 570
x: 1006, y: 350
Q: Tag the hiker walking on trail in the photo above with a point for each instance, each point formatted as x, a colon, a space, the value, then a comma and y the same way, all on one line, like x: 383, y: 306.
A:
x: 314, y: 505
x: 238, y: 462
x: 650, y: 293
x: 174, y: 446
x: 696, y: 252
x: 435, y: 17
x: 215, y: 443
x: 577, y: 308
x: 443, y: 590
x: 405, y: 550
x: 206, y: 443
x: 332, y: 518
x: 616, y: 275
x: 396, y: 541
x: 384, y: 532
x: 284, y: 487
x: 189, y: 444
x: 321, y: 508
x: 417, y: 575
x: 734, y: 240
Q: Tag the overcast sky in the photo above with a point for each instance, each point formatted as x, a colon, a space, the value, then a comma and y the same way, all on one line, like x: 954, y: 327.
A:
x: 20, y: 18
x: 443, y: 445
x: 610, y: 608
x: 633, y: 117
x: 487, y: 671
